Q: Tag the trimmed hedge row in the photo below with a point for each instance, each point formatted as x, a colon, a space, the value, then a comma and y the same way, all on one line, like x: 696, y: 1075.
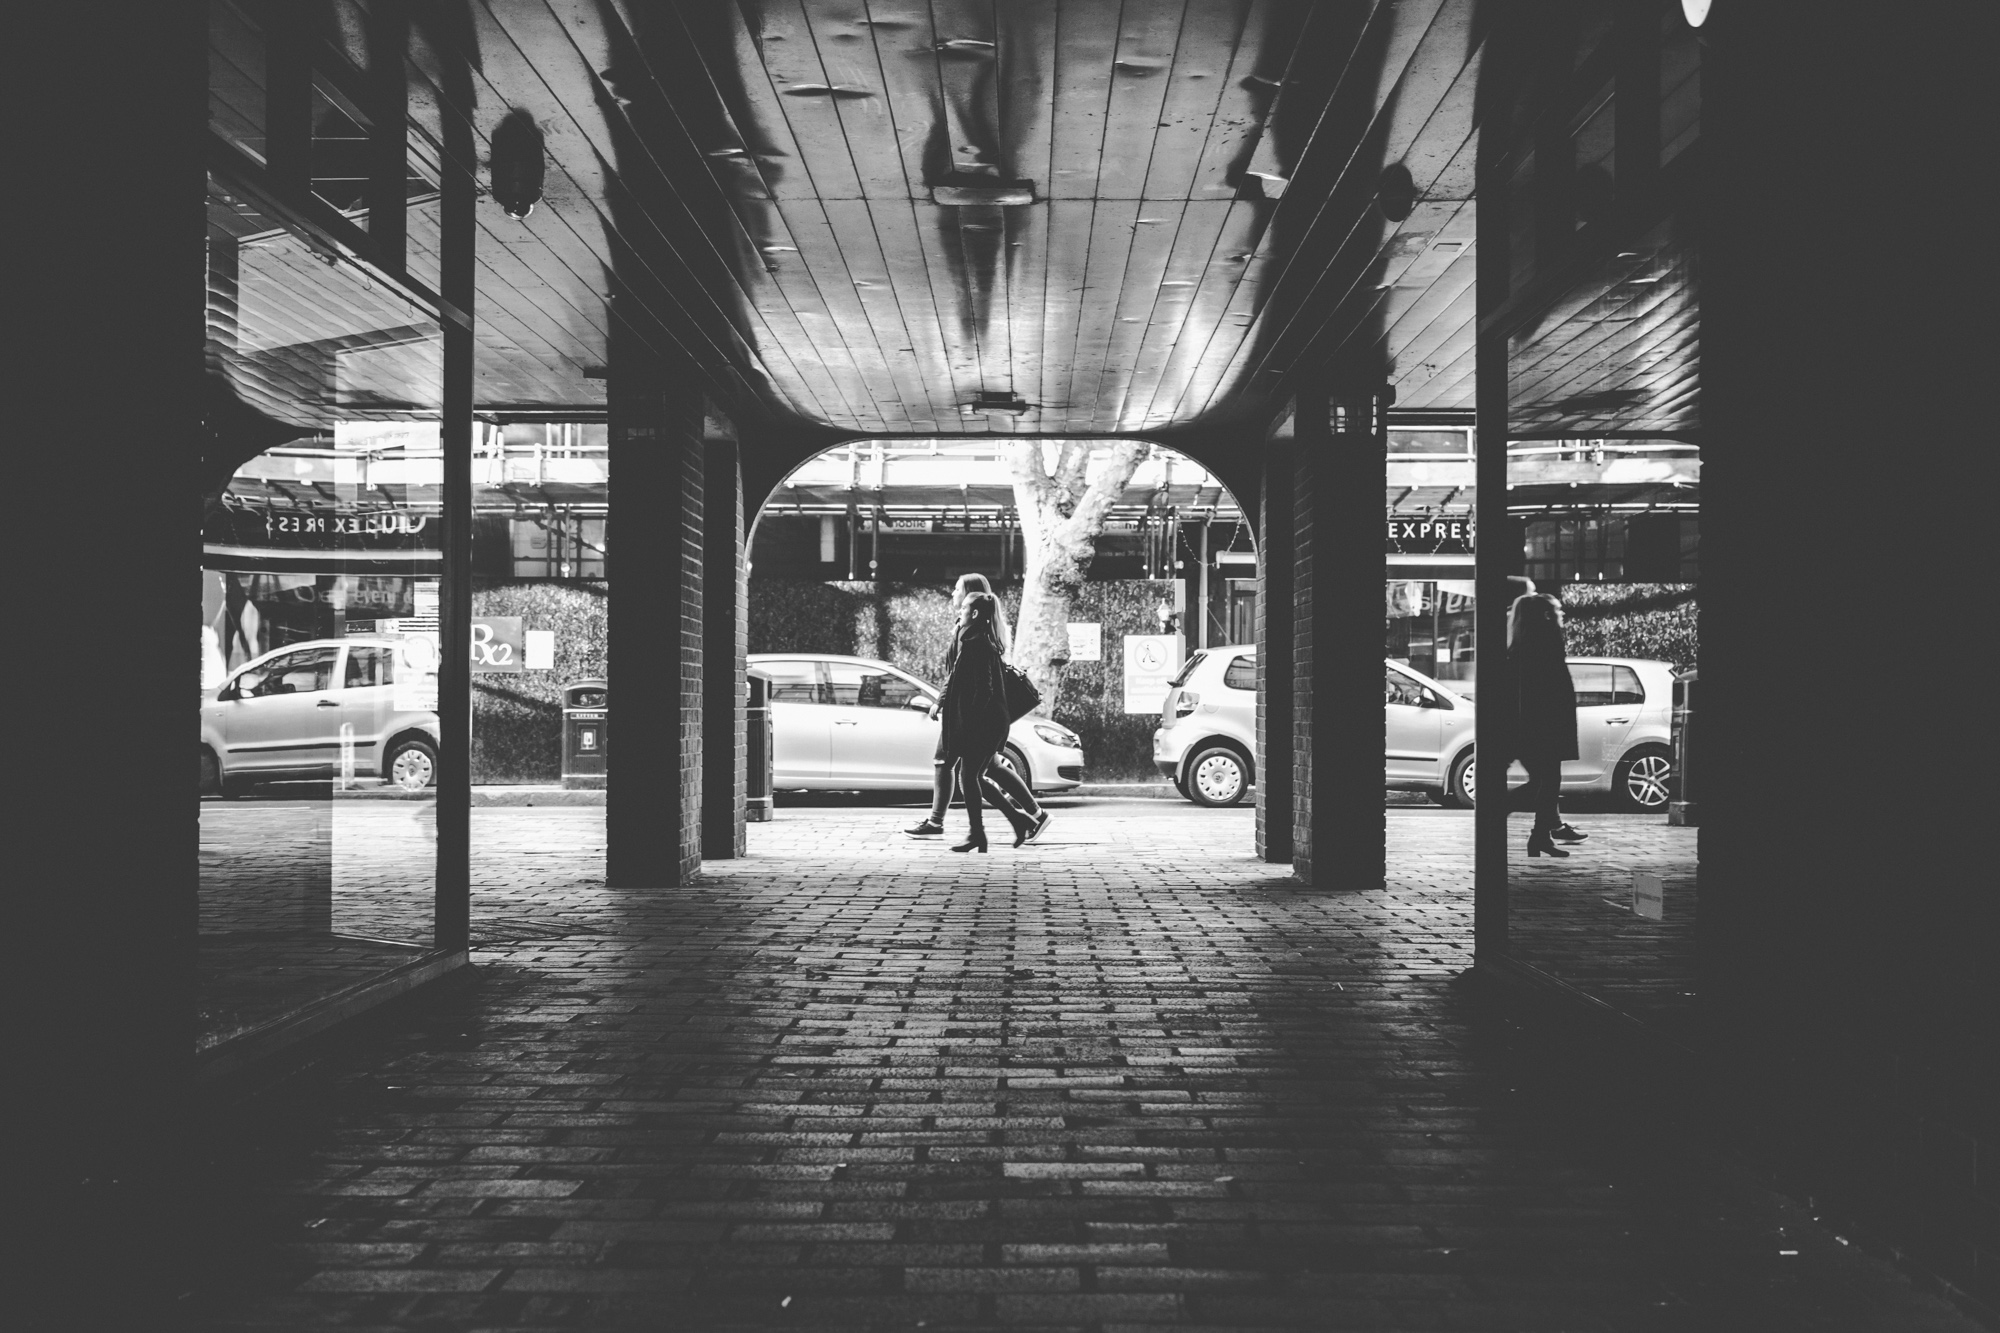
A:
x: 1654, y: 620
x: 517, y: 720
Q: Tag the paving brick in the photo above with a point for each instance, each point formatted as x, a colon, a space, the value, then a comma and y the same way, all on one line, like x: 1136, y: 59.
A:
x: 1131, y: 1077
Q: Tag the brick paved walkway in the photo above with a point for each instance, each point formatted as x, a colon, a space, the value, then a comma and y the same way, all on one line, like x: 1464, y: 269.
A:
x: 1129, y: 1078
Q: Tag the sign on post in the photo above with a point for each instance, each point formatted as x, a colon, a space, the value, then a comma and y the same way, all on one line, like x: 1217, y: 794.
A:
x: 1150, y: 662
x: 1086, y: 641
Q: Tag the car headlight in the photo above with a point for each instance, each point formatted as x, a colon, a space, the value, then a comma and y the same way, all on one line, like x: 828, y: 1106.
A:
x: 1059, y: 735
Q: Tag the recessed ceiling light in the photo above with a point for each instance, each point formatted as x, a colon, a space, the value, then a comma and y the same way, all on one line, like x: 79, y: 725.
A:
x: 1695, y: 12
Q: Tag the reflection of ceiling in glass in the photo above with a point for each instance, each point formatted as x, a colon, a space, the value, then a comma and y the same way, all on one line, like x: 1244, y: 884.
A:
x: 308, y: 339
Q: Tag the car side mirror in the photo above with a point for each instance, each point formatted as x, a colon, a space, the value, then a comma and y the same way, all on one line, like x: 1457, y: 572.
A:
x: 922, y: 701
x: 228, y: 693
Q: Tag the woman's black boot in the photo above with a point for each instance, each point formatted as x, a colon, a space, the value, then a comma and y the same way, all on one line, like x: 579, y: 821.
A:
x: 1540, y: 844
x: 1567, y: 833
x: 977, y: 843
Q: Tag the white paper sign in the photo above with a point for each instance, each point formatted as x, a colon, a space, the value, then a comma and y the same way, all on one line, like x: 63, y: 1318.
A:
x: 1150, y: 662
x: 1086, y: 641
x: 540, y: 650
x: 1649, y: 897
x: 424, y: 597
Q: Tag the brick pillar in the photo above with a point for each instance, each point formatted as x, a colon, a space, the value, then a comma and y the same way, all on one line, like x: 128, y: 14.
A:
x: 726, y: 641
x: 1275, y: 812
x: 1337, y: 637
x: 653, y: 814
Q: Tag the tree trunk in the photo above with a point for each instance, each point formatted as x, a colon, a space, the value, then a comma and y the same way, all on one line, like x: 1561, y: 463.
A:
x: 1062, y: 515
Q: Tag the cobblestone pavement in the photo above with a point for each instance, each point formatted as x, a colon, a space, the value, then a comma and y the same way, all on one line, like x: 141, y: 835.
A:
x: 1128, y: 1078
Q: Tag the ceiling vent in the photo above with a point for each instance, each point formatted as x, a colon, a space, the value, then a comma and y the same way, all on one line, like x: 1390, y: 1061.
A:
x: 1011, y: 403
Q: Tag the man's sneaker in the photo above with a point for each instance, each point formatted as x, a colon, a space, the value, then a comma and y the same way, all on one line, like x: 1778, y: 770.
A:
x: 929, y: 828
x: 1041, y: 822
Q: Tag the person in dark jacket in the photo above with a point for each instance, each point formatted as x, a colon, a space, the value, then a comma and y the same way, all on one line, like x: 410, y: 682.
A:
x: 1002, y: 788
x: 974, y: 707
x: 1544, y: 714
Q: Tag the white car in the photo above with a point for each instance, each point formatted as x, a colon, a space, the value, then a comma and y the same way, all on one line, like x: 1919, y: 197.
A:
x: 306, y: 710
x: 856, y: 724
x: 1206, y: 743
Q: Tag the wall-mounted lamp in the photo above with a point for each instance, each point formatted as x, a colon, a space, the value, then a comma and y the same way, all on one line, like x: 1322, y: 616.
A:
x: 517, y: 164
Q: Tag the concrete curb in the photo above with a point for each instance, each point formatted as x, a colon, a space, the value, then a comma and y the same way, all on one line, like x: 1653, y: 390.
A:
x: 536, y: 796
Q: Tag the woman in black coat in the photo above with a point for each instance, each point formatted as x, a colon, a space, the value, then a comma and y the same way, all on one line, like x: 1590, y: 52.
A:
x: 1544, y: 714
x: 974, y: 706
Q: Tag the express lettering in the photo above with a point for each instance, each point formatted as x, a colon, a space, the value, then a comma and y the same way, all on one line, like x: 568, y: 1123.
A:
x: 354, y: 525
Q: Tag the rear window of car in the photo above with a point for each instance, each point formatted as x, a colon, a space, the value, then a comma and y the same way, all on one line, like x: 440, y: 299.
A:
x: 1242, y: 673
x: 1602, y: 684
x: 1187, y: 669
x: 793, y: 682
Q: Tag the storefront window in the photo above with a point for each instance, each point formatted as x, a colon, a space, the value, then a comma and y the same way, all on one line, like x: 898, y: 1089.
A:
x: 319, y: 578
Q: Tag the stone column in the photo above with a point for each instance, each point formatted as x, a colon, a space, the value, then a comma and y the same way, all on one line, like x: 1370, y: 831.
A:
x: 725, y: 642
x: 1341, y: 444
x: 655, y: 548
x: 1275, y: 810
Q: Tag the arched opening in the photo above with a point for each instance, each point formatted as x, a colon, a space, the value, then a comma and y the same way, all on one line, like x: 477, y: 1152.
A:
x: 851, y: 560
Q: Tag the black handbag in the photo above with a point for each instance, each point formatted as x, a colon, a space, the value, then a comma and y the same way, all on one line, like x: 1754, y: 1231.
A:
x: 1022, y: 696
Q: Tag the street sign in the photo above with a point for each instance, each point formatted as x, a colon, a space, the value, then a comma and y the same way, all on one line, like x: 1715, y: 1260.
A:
x: 1150, y: 662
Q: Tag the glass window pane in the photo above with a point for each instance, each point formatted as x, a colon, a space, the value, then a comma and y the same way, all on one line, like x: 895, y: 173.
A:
x: 792, y: 682
x: 1625, y: 686
x: 1593, y: 683
x: 317, y: 818
x: 1242, y: 674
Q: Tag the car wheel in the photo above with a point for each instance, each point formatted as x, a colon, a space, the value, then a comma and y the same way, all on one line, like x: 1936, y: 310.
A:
x: 1640, y: 781
x: 1017, y: 764
x: 412, y: 764
x: 1458, y: 790
x: 211, y: 775
x: 1217, y: 776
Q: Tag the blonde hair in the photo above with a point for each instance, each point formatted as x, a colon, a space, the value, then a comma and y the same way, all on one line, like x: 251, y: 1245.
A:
x: 1002, y: 632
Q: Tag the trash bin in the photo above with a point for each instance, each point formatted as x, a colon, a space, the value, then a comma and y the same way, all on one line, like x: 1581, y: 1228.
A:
x: 585, y: 734
x: 757, y: 746
x: 1680, y: 806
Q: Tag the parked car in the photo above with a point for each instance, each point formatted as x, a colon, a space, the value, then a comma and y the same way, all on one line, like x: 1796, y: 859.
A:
x: 856, y: 724
x: 295, y: 711
x: 1206, y: 743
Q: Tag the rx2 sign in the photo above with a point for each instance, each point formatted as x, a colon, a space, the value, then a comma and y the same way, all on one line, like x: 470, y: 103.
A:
x: 498, y: 645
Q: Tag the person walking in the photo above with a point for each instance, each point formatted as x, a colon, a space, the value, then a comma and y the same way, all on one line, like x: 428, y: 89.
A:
x: 1004, y: 789
x: 1544, y: 715
x: 974, y: 708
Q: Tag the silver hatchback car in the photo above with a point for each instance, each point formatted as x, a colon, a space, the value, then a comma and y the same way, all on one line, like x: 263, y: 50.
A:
x: 856, y: 724
x: 324, y: 708
x: 1206, y: 743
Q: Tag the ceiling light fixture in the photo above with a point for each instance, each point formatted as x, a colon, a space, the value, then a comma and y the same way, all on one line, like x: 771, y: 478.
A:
x: 1695, y: 12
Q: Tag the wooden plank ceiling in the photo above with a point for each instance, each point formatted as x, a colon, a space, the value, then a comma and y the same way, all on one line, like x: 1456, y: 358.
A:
x: 1053, y: 217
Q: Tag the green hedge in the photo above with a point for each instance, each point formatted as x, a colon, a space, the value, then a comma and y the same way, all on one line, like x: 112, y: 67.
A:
x: 1654, y: 620
x: 517, y: 720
